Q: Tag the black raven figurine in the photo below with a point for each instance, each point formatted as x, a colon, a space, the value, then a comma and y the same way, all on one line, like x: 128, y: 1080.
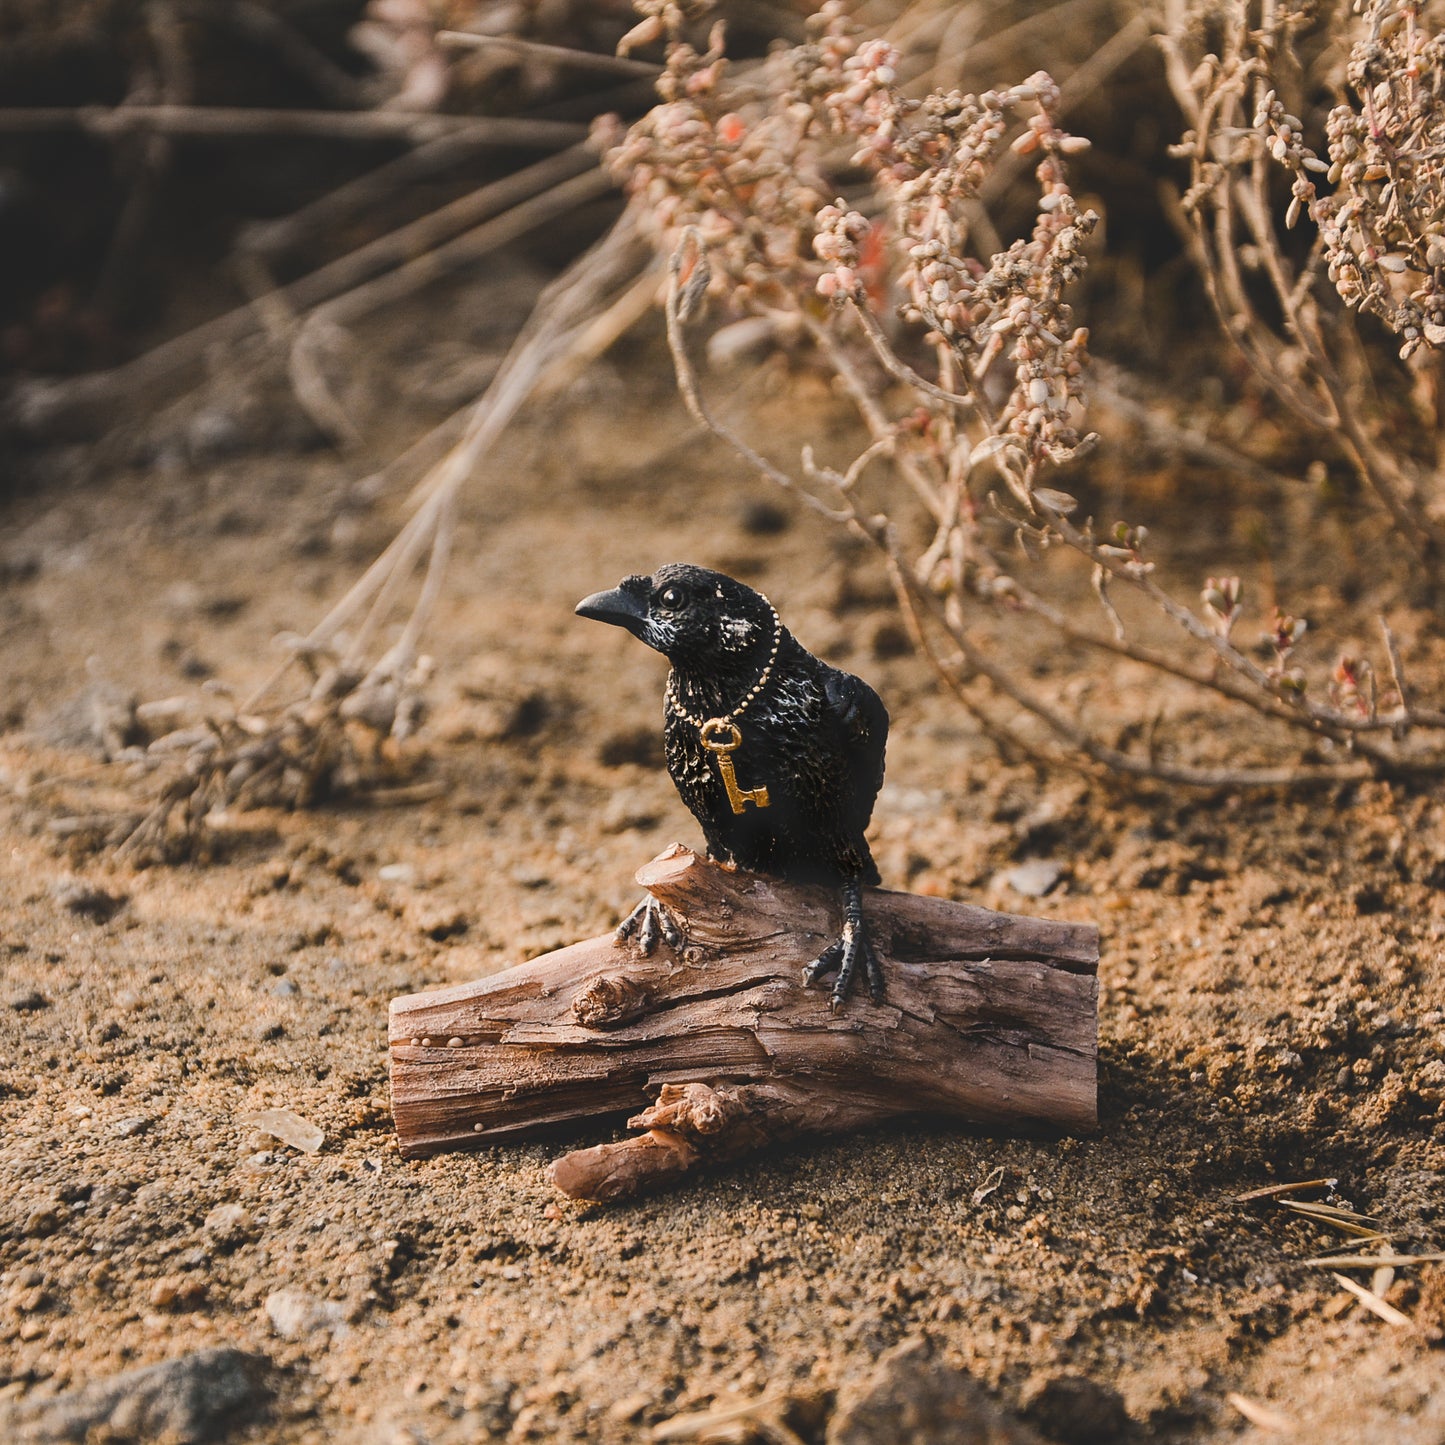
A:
x: 778, y: 755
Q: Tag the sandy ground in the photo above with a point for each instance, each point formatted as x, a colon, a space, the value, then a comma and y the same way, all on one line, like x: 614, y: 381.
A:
x: 1272, y: 1002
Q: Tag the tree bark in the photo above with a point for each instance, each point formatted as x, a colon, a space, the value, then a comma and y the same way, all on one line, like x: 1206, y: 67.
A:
x: 990, y: 1018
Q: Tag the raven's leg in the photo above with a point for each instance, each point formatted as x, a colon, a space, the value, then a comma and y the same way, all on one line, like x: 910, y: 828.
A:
x: 845, y: 954
x: 648, y: 922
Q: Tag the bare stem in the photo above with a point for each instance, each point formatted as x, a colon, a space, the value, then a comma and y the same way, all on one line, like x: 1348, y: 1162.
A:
x: 237, y: 121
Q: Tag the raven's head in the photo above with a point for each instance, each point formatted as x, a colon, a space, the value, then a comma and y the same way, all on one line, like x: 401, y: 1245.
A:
x: 701, y: 621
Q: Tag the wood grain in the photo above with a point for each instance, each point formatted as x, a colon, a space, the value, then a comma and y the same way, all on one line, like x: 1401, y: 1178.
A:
x: 990, y: 1018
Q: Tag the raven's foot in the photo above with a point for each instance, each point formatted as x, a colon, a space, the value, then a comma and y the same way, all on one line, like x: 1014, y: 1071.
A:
x: 844, y: 956
x: 648, y: 922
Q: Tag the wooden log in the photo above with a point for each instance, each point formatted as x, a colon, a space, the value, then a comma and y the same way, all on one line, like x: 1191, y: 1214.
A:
x: 990, y: 1018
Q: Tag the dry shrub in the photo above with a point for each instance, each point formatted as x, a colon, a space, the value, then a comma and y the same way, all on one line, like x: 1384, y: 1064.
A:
x: 1367, y: 174
x: 968, y: 371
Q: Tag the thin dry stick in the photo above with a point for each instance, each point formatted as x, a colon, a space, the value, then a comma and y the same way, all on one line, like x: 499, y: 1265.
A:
x: 1077, y: 737
x: 405, y: 280
x: 562, y: 315
x: 1373, y: 1261
x: 240, y: 121
x: 554, y: 54
x: 1342, y: 730
x: 1141, y: 578
x: 1111, y: 758
x: 420, y: 457
x: 1273, y: 1191
x: 256, y: 22
x: 37, y: 404
x: 1261, y: 1415
x: 334, y: 208
x: 1372, y: 1302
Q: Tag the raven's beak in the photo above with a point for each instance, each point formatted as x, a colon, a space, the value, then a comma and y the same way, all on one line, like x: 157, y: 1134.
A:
x: 621, y: 609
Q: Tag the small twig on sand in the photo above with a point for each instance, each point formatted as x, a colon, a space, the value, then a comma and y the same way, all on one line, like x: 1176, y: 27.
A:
x: 1372, y: 1302
x: 1273, y: 1191
x: 1261, y: 1415
x: 1372, y: 1261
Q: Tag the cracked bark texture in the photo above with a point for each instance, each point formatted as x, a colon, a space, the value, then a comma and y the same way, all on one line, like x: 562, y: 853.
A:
x: 990, y: 1018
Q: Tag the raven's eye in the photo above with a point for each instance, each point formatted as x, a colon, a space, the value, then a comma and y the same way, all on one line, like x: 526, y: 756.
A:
x: 671, y: 597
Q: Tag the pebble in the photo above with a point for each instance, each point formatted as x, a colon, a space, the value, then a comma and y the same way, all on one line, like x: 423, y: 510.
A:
x: 294, y: 1314
x: 27, y: 1001
x: 178, y: 1293
x: 397, y: 873
x: 228, y: 1224
x: 41, y: 1222
x: 1035, y: 879
x: 629, y: 1407
x: 128, y: 1128
x: 290, y: 1128
x: 86, y: 900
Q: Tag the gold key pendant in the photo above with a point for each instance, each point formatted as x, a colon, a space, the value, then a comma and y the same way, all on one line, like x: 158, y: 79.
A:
x: 721, y: 737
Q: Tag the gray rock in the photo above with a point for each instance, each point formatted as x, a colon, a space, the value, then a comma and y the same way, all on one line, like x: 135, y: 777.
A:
x: 86, y: 900
x: 190, y: 1399
x: 913, y: 1399
x: 100, y: 719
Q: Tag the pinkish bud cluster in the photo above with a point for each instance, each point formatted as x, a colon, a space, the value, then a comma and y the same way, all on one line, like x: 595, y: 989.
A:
x: 742, y: 172
x: 1222, y: 599
x: 928, y: 157
x: 1383, y: 224
x: 1352, y: 686
x: 746, y: 169
x: 836, y: 244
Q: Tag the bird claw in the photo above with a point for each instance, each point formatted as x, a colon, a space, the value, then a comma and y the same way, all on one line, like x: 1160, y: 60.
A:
x: 648, y: 922
x: 844, y: 956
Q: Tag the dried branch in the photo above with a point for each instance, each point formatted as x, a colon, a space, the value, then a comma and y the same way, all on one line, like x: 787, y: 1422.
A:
x: 236, y: 121
x: 90, y: 401
x: 561, y: 55
x: 714, y: 158
x: 1239, y: 132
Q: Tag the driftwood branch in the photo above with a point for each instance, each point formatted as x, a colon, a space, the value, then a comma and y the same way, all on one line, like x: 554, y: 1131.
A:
x: 990, y: 1018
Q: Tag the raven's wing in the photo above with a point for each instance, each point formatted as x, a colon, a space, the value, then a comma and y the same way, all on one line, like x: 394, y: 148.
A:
x: 859, y: 723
